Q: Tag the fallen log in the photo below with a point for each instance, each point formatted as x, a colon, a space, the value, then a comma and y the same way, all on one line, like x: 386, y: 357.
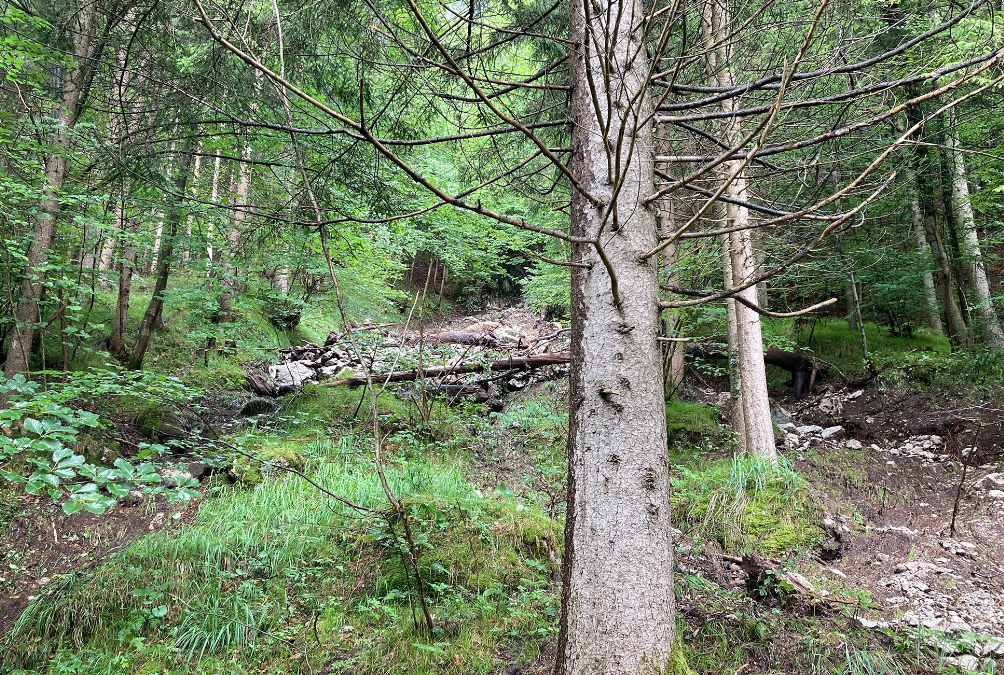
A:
x: 798, y: 365
x: 512, y: 363
x: 459, y: 338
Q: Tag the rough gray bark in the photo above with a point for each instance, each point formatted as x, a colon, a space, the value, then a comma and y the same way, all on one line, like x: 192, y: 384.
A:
x: 757, y: 426
x: 988, y: 324
x: 618, y: 601
x: 917, y: 223
x: 944, y: 276
x: 44, y: 229
x: 737, y: 415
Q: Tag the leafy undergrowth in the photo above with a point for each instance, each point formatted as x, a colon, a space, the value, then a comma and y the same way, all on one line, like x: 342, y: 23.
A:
x: 274, y: 577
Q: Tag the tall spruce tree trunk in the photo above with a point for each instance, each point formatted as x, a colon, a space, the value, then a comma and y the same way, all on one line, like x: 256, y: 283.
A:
x: 988, y: 324
x: 44, y: 227
x: 618, y: 602
x: 153, y: 311
x: 944, y: 276
x: 758, y: 428
x: 917, y: 224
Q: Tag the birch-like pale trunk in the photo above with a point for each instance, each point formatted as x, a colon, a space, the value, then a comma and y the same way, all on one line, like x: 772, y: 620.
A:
x: 618, y: 609
x: 988, y: 324
x: 44, y: 226
x: 758, y: 428
x: 944, y: 276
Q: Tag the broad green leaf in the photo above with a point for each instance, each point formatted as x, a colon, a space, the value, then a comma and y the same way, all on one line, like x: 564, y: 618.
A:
x: 71, y: 507
x: 34, y: 426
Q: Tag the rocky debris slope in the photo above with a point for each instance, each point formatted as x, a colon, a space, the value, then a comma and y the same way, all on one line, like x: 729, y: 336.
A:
x: 945, y: 591
x: 384, y: 349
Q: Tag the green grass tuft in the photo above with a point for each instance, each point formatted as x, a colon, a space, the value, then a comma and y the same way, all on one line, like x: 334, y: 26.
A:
x: 747, y: 504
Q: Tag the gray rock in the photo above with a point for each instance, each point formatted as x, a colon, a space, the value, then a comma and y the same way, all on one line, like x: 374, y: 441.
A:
x: 172, y: 477
x: 965, y: 661
x: 993, y: 481
x: 289, y: 376
x: 854, y: 444
x: 831, y: 405
x: 198, y: 470
x: 832, y: 433
x: 996, y: 494
x: 810, y: 429
x: 993, y: 645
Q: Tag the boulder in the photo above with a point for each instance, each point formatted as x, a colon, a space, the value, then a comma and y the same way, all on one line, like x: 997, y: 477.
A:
x: 172, y: 478
x: 809, y: 429
x: 832, y: 433
x: 854, y: 444
x: 290, y: 376
x: 993, y: 481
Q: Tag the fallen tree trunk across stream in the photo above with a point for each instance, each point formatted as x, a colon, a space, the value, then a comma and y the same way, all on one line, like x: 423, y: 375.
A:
x: 802, y: 370
x: 512, y: 363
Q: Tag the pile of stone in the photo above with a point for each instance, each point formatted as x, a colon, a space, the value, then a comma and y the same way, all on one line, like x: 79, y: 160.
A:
x: 965, y: 628
x: 384, y: 351
x: 801, y: 438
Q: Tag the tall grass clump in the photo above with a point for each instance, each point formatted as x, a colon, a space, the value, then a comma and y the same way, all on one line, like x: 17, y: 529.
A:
x: 747, y: 504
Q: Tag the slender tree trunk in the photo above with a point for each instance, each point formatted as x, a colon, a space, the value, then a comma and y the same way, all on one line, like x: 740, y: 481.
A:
x: 944, y: 277
x: 126, y: 266
x: 153, y: 311
x: 674, y: 366
x: 234, y: 235
x: 917, y: 224
x: 758, y: 426
x: 187, y: 253
x: 989, y: 324
x: 852, y: 305
x: 618, y: 603
x: 737, y: 415
x: 44, y: 228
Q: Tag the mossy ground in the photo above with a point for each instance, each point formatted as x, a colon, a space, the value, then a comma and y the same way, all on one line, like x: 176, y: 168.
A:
x: 745, y: 505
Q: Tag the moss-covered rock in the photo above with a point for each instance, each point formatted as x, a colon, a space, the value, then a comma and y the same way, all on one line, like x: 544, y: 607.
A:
x: 158, y: 423
x: 271, y: 461
x: 691, y: 423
